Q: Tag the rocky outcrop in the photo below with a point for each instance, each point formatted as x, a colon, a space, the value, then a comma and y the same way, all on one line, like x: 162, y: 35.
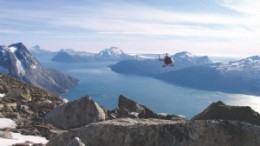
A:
x: 27, y: 106
x: 155, y: 132
x: 76, y: 113
x: 76, y: 142
x: 220, y: 111
x: 127, y: 108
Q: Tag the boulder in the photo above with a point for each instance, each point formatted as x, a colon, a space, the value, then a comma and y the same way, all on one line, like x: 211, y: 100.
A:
x: 3, y: 89
x: 6, y: 134
x: 76, y: 142
x: 130, y: 108
x: 157, y: 132
x: 220, y: 111
x: 19, y: 94
x: 76, y: 113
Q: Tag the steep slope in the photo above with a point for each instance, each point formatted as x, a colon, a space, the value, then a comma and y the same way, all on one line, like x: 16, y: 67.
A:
x: 27, y: 105
x: 16, y: 61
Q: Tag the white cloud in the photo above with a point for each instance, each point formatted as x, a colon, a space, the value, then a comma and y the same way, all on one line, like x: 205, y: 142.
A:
x: 131, y: 22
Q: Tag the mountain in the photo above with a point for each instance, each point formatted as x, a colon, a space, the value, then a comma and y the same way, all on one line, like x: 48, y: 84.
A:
x: 186, y: 59
x: 16, y: 61
x: 151, y: 67
x: 41, y: 54
x: 241, y: 76
x: 37, y: 50
x: 72, y: 56
x: 113, y: 54
x: 63, y: 56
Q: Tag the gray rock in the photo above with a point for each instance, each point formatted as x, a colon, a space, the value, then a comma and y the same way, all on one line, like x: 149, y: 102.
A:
x: 76, y: 142
x: 220, y: 111
x: 156, y: 132
x: 6, y: 134
x: 76, y: 113
x: 127, y: 106
x: 19, y: 94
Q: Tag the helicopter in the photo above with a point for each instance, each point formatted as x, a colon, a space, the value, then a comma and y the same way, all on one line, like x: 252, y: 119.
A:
x: 166, y: 60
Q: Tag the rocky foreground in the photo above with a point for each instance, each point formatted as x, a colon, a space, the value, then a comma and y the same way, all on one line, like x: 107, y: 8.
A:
x: 85, y: 123
x: 155, y: 132
x: 27, y: 106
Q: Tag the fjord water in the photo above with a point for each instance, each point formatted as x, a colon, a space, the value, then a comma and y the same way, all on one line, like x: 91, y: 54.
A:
x: 104, y: 86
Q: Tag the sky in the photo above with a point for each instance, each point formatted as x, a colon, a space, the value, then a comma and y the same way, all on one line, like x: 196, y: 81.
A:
x: 208, y: 27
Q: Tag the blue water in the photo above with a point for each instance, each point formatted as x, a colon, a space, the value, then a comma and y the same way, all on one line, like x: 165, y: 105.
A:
x: 104, y: 86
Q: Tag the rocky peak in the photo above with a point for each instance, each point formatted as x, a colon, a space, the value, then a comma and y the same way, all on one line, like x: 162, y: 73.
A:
x: 63, y: 56
x: 186, y: 59
x: 113, y: 51
x: 220, y: 111
x: 128, y: 107
x: 16, y: 61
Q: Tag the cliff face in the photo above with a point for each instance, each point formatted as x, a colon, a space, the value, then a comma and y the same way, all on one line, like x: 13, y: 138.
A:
x: 16, y: 61
x: 155, y: 132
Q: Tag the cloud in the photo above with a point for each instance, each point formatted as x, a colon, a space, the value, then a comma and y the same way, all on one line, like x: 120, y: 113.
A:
x: 8, y: 31
x: 208, y: 21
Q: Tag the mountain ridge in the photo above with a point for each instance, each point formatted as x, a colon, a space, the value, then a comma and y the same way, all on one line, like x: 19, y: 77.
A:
x: 239, y: 77
x: 17, y: 61
x: 108, y: 54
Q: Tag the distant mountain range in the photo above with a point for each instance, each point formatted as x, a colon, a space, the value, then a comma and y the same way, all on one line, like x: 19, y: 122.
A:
x: 242, y: 76
x: 152, y: 67
x: 72, y: 56
x: 17, y: 61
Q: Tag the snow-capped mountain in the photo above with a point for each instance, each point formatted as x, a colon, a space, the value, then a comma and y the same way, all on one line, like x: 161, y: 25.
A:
x: 41, y: 54
x: 186, y: 59
x: 242, y: 76
x: 63, y: 56
x: 111, y: 52
x: 243, y: 64
x: 74, y: 53
x: 152, y: 67
x: 16, y: 61
x: 72, y: 56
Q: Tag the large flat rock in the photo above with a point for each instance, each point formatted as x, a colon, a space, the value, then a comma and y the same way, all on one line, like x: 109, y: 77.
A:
x: 155, y: 132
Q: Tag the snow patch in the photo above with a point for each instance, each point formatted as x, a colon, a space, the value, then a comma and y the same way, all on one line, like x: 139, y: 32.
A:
x: 20, y: 67
x: 13, y: 49
x: 33, y: 66
x: 6, y: 123
x: 65, y: 100
x: 2, y: 95
x: 18, y: 138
